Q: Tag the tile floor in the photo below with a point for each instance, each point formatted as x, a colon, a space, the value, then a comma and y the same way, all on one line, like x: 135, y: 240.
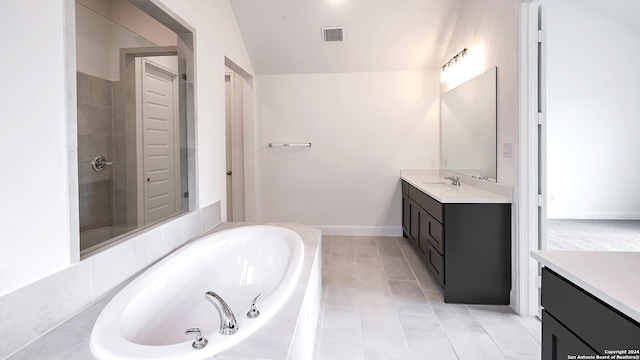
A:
x: 380, y: 303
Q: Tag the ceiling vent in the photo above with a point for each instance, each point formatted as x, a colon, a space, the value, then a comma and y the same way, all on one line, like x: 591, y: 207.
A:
x: 332, y: 34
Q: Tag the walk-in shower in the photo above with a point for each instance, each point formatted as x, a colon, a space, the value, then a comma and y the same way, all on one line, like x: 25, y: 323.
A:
x: 132, y: 129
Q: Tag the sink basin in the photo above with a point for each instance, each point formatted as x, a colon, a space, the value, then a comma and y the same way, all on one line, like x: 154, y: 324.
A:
x: 434, y: 183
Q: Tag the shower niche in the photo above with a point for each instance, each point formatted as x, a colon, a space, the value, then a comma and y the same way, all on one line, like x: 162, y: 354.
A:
x: 132, y: 122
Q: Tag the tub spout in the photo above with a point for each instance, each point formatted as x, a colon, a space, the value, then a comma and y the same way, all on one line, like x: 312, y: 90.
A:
x: 227, y: 319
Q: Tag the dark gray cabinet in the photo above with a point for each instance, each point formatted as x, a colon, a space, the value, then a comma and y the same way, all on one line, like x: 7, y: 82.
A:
x: 466, y: 247
x: 574, y: 322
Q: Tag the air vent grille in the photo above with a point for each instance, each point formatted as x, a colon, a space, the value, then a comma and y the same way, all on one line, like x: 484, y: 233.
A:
x: 333, y: 34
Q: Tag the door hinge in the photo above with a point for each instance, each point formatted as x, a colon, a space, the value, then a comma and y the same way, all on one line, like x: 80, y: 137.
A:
x: 540, y: 200
x: 184, y: 76
x: 186, y: 194
x: 542, y: 118
x: 541, y: 36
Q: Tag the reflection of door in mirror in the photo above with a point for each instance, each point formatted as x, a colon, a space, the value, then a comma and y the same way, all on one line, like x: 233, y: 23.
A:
x: 132, y: 124
x: 468, y: 114
x: 157, y: 152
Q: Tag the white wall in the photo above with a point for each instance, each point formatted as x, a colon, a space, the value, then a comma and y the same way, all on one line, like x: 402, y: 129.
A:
x: 489, y: 29
x: 34, y: 214
x: 34, y: 219
x: 217, y: 36
x: 593, y: 160
x: 364, y: 127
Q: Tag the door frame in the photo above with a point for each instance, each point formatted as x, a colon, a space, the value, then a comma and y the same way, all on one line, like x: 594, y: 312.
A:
x: 141, y: 62
x: 234, y: 138
x: 528, y: 218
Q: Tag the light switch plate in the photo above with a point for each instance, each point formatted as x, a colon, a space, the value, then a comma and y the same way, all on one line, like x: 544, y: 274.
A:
x: 507, y: 149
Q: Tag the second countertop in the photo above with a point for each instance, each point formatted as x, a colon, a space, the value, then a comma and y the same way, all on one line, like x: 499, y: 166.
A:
x: 434, y: 185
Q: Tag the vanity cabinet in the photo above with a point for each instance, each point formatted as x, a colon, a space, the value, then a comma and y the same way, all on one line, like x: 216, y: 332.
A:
x: 465, y: 246
x: 574, y: 322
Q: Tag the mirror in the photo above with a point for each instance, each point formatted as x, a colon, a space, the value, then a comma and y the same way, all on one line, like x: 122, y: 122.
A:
x: 132, y: 128
x: 468, y: 114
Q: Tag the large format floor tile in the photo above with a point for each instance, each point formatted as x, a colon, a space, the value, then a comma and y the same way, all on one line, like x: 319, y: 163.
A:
x: 381, y: 303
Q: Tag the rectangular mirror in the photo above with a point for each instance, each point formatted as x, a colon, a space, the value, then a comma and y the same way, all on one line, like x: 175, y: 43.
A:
x: 468, y: 114
x: 132, y: 129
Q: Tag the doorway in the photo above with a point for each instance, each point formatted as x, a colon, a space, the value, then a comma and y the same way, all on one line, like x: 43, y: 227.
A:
x: 234, y: 136
x: 157, y: 121
x: 577, y: 133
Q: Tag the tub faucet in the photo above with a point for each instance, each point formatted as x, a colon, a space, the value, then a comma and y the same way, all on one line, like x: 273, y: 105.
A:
x: 227, y: 319
x: 454, y: 180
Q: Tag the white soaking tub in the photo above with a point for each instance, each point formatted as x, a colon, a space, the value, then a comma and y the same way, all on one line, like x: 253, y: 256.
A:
x: 148, y: 318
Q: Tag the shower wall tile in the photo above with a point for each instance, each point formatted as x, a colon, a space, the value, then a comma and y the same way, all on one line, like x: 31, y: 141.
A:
x: 119, y: 175
x: 118, y: 263
x: 89, y: 188
x: 119, y: 94
x: 33, y: 310
x: 120, y: 202
x: 82, y: 88
x: 100, y: 92
x: 119, y: 148
x: 119, y: 121
x: 95, y: 210
x: 94, y: 119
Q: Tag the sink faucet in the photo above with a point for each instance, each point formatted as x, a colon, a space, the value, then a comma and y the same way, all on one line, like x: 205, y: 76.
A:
x: 454, y: 180
x: 227, y: 319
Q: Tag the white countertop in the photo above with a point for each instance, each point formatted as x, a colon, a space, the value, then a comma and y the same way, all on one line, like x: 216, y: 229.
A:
x: 610, y: 276
x: 432, y: 183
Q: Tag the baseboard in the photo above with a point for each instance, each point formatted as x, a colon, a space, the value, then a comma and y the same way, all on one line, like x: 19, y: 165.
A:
x: 360, y: 230
x: 594, y: 215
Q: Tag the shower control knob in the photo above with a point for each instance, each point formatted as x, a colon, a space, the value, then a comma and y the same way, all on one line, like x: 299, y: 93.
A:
x: 99, y: 163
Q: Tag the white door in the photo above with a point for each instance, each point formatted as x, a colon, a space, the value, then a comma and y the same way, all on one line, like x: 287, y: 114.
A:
x: 160, y: 160
x: 228, y: 93
x: 235, y: 146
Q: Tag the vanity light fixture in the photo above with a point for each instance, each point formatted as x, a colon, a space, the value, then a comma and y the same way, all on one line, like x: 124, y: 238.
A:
x: 448, y: 67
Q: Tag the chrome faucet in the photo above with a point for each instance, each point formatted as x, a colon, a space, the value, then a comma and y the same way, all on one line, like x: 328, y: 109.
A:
x: 227, y: 319
x: 454, y: 180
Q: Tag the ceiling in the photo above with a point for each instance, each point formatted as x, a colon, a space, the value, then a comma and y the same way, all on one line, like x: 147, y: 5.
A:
x: 285, y: 37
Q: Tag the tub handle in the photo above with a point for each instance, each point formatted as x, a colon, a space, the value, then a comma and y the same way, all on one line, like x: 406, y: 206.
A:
x: 253, y: 311
x: 200, y: 341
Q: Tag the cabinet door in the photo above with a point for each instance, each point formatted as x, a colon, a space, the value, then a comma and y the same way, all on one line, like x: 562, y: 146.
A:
x: 406, y: 214
x: 423, y: 233
x: 558, y: 342
x: 433, y: 233
x: 435, y: 263
x: 415, y: 221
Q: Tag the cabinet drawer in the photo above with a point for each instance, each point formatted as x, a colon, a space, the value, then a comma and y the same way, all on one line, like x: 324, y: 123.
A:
x: 595, y: 322
x: 433, y: 207
x: 405, y: 187
x: 435, y: 263
x: 432, y: 232
x: 558, y: 342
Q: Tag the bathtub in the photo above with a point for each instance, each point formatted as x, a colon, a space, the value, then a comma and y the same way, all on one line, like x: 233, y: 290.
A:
x: 148, y: 318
